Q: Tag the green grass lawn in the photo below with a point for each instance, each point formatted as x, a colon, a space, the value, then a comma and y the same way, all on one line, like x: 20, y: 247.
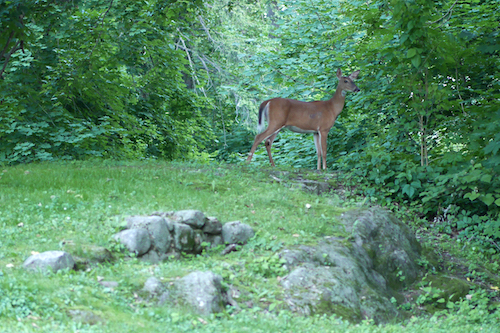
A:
x: 67, y: 206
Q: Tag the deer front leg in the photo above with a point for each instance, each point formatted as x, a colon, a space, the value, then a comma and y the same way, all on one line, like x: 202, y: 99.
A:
x: 317, y: 144
x: 323, y: 142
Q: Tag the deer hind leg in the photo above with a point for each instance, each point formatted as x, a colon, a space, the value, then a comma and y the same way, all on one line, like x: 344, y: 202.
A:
x: 317, y: 144
x: 269, y: 143
x: 269, y: 134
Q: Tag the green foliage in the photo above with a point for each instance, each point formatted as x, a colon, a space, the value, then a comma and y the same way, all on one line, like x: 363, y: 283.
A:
x: 96, y: 79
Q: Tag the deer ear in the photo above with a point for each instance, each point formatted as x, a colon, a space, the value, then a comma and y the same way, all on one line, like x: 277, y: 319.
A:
x: 354, y: 75
x: 339, y: 73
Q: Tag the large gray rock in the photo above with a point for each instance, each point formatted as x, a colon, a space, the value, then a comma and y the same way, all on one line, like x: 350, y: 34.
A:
x: 236, y: 232
x: 55, y: 260
x: 202, y: 291
x: 135, y: 240
x: 157, y: 228
x: 193, y: 218
x: 390, y: 243
x: 353, y: 279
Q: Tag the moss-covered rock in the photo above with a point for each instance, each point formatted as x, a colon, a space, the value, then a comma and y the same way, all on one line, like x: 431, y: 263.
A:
x: 354, y: 278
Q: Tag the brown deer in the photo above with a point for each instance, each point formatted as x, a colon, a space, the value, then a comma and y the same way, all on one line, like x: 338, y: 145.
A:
x: 303, y: 117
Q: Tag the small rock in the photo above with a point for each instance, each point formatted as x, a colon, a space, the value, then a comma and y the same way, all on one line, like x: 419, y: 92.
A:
x: 184, y: 237
x: 236, y: 232
x: 193, y: 218
x: 55, y: 260
x: 230, y: 248
x: 214, y: 240
x: 151, y: 257
x: 153, y: 286
x: 157, y: 228
x: 199, y: 238
x: 85, y: 317
x: 109, y: 284
x: 212, y: 226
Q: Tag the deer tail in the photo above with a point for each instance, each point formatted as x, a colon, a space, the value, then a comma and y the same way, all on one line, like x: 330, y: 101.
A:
x: 263, y: 113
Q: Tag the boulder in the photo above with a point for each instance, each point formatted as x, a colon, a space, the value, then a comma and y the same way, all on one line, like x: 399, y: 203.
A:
x: 135, y: 240
x: 157, y: 228
x: 390, y: 244
x: 356, y: 277
x: 55, y: 260
x: 236, y: 232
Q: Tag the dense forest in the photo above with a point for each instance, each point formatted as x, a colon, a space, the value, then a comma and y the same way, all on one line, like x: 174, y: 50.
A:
x: 182, y: 79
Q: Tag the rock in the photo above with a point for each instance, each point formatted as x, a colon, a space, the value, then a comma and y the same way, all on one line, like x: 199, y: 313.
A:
x: 353, y: 279
x: 157, y: 228
x: 193, y: 218
x: 55, y: 260
x: 135, y: 240
x: 214, y: 240
x: 212, y: 226
x: 184, y: 238
x: 167, y: 215
x: 96, y: 254
x: 151, y: 257
x: 390, y: 244
x: 109, y: 284
x: 230, y: 248
x: 87, y: 254
x: 202, y: 291
x: 199, y: 238
x: 236, y: 232
x: 153, y: 286
x: 85, y: 317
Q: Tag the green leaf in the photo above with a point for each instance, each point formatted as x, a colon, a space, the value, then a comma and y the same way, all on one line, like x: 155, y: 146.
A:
x: 411, y: 53
x: 487, y: 199
x: 497, y: 202
x: 416, y: 61
x: 486, y: 178
x: 472, y: 195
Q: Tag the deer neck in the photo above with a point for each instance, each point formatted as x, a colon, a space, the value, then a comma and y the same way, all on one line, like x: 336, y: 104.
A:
x: 338, y: 101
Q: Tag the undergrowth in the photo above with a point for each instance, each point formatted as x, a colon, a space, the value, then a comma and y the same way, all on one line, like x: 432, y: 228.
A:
x: 50, y: 206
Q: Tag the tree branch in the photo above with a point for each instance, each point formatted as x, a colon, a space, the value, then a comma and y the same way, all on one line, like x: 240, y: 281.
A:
x: 102, y: 26
x: 18, y: 46
x: 448, y: 13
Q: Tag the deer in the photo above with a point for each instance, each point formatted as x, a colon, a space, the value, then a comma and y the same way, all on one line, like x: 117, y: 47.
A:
x: 315, y: 117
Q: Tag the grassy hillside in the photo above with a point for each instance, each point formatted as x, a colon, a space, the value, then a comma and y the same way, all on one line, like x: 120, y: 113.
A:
x: 74, y: 206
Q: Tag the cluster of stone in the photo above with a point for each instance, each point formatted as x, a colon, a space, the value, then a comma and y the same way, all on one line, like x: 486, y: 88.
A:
x: 163, y: 234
